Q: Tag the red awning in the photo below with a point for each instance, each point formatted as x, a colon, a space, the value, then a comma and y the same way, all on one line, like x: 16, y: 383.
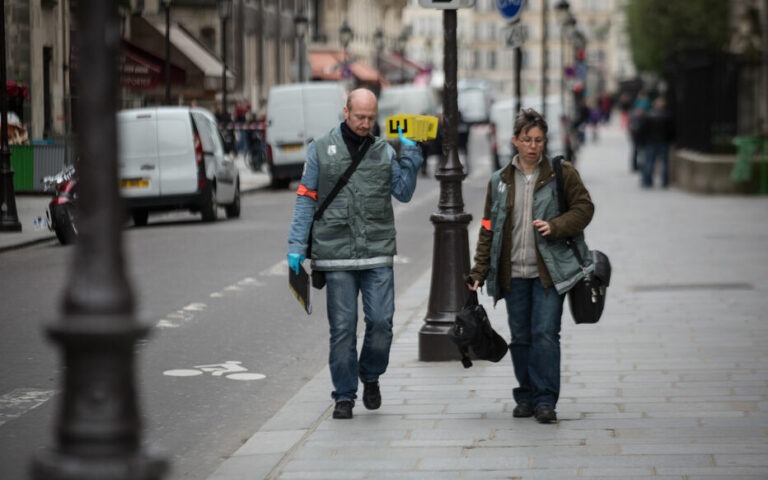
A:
x: 329, y: 65
x: 140, y: 69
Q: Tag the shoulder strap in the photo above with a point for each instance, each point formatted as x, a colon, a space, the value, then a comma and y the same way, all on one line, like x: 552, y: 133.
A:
x: 557, y: 165
x: 356, y: 159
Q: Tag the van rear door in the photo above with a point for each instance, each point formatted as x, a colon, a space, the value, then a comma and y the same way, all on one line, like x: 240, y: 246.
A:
x: 137, y: 153
x: 323, y: 108
x: 285, y: 125
x: 176, y: 148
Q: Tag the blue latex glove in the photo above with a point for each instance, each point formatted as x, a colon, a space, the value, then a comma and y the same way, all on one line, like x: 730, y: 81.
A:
x: 294, y: 261
x: 403, y: 140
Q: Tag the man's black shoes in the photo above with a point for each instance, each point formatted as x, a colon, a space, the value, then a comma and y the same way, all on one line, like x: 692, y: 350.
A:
x: 371, y: 395
x: 545, y: 414
x: 522, y: 410
x: 343, y: 409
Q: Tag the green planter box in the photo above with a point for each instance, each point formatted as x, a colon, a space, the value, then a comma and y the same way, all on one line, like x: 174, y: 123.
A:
x: 23, y: 165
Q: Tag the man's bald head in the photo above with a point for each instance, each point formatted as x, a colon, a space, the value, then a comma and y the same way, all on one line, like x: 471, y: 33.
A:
x: 360, y: 111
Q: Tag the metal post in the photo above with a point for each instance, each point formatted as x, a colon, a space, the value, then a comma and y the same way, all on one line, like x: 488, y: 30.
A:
x: 544, y: 57
x: 9, y: 218
x: 450, y: 258
x: 98, y: 426
x: 224, y: 65
x: 167, y: 5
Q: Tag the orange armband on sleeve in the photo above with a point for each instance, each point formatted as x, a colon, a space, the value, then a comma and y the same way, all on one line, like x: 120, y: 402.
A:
x: 305, y: 192
x: 486, y: 224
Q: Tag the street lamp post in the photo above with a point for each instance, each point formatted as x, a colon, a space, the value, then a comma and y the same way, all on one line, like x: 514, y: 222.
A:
x: 402, y: 39
x: 9, y: 218
x: 544, y: 57
x: 345, y: 36
x: 98, y: 424
x: 378, y: 42
x: 225, y: 12
x: 301, y: 22
x: 167, y: 9
x: 564, y: 17
x: 450, y: 257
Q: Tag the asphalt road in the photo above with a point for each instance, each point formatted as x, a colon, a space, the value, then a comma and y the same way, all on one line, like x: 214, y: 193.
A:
x: 229, y: 345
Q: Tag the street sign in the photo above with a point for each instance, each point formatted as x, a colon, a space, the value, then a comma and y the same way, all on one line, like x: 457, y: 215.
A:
x: 447, y: 4
x: 510, y: 9
x: 513, y: 35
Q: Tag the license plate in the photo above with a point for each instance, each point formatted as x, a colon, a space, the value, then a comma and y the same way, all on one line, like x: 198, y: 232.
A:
x: 292, y: 147
x: 134, y: 183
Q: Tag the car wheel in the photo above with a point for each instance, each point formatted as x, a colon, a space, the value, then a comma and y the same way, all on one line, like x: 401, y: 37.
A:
x: 233, y: 209
x: 208, y: 210
x: 140, y: 217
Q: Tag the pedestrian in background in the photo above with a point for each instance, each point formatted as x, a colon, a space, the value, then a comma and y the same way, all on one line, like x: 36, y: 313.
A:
x: 659, y: 134
x: 522, y: 256
x: 353, y: 243
x: 636, y: 137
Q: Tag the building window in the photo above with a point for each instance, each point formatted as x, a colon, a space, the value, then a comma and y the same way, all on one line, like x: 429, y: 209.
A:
x: 208, y: 38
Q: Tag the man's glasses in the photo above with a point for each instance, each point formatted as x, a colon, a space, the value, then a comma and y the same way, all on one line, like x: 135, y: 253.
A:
x: 533, y: 141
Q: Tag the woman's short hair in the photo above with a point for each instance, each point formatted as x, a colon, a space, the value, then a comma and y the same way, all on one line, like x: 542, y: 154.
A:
x: 528, y: 118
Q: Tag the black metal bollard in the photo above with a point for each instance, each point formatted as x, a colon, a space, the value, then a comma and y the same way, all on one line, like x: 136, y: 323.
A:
x: 98, y: 434
x: 450, y: 257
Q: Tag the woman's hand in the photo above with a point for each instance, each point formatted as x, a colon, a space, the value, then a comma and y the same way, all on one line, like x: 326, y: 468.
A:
x: 543, y: 227
x: 473, y: 286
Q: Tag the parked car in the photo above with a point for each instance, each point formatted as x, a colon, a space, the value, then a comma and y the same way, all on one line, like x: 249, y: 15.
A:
x: 175, y: 158
x: 297, y: 114
x: 502, y: 118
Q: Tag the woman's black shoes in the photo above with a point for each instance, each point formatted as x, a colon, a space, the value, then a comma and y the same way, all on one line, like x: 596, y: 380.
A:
x: 343, y: 409
x: 545, y: 414
x: 371, y: 395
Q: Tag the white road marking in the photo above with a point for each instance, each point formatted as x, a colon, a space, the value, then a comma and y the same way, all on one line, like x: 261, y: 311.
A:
x: 21, y: 400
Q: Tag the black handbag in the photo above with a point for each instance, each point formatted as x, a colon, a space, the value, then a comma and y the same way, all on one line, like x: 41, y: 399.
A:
x: 473, y: 334
x: 318, y: 276
x: 587, y: 298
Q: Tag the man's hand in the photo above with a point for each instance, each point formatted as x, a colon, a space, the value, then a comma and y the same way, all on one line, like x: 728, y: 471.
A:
x: 403, y: 140
x: 294, y: 261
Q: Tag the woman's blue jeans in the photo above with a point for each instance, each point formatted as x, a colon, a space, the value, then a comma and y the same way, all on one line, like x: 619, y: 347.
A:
x: 534, y: 314
x: 377, y: 288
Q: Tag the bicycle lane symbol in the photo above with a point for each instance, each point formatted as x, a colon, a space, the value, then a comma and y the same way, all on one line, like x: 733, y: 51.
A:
x: 230, y: 369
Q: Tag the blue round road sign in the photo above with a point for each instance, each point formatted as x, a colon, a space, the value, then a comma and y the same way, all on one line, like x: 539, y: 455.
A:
x: 510, y: 9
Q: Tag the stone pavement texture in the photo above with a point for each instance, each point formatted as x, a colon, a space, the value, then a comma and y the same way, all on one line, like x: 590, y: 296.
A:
x: 671, y: 384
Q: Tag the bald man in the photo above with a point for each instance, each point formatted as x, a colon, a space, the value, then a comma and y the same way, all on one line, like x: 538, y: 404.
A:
x: 353, y: 243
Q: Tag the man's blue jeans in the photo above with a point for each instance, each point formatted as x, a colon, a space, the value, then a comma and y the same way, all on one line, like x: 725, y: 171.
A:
x: 377, y: 287
x: 534, y: 314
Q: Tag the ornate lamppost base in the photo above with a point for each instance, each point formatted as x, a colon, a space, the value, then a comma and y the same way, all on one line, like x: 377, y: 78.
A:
x: 54, y: 465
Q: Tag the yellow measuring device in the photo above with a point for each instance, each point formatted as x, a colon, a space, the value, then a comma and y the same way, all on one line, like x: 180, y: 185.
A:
x: 416, y: 127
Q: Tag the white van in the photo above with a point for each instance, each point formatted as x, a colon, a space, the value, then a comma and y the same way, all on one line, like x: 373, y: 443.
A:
x: 297, y: 114
x: 174, y: 158
x: 474, y: 98
x: 503, y: 122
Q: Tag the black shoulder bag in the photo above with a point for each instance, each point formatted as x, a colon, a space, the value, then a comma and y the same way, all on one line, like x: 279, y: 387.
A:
x: 587, y: 298
x: 473, y: 333
x: 318, y: 277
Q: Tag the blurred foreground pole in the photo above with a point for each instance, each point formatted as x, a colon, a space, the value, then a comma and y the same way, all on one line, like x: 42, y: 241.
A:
x: 98, y: 428
x: 9, y: 218
x: 450, y: 257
